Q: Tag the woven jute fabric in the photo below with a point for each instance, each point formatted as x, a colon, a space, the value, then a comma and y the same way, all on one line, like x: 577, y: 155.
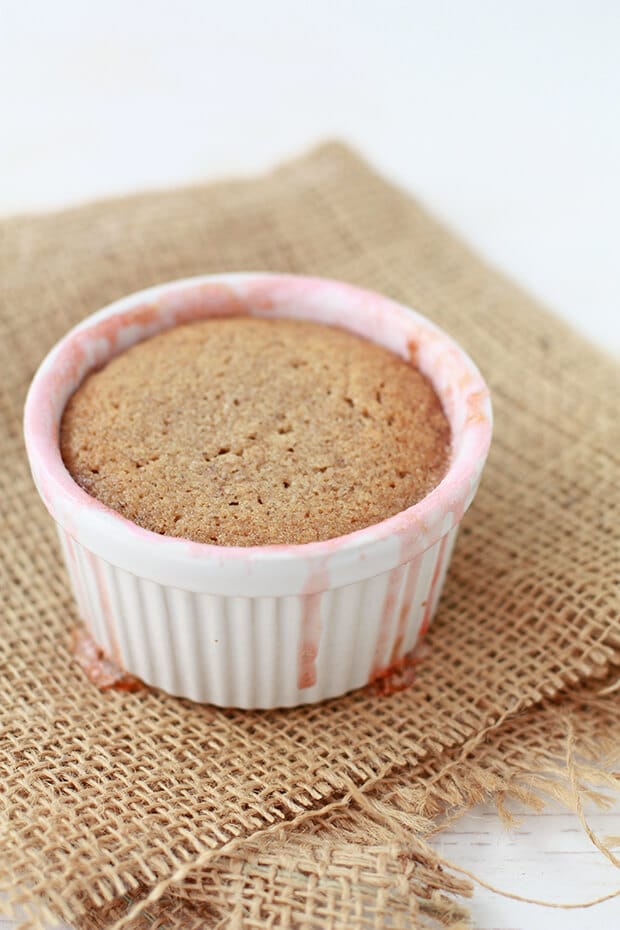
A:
x: 353, y: 866
x: 111, y: 794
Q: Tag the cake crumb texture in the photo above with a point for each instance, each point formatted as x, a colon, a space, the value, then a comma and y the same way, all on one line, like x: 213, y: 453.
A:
x: 248, y: 431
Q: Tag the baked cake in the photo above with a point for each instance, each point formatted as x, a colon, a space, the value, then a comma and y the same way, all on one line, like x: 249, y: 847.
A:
x: 246, y: 431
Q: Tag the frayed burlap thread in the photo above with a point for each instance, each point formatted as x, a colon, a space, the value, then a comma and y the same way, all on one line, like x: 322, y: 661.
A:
x: 351, y: 867
x: 107, y: 793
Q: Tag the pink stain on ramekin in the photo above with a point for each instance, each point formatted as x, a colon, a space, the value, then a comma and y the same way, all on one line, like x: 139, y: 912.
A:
x: 405, y: 610
x: 77, y: 577
x: 430, y: 598
x: 99, y: 338
x: 401, y: 675
x: 102, y: 672
x: 385, y: 623
x: 309, y: 641
x: 311, y: 626
x: 88, y: 347
x: 458, y: 514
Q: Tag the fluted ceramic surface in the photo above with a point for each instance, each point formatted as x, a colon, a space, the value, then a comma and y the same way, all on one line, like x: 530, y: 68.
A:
x: 257, y: 651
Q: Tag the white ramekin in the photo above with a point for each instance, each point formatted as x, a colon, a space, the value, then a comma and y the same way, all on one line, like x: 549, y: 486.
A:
x: 267, y: 626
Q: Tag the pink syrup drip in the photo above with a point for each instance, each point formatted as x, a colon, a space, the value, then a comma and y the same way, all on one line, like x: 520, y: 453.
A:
x: 102, y: 672
x: 309, y: 642
x: 311, y: 626
x: 402, y: 675
x: 379, y: 667
x: 458, y: 513
x: 403, y: 617
x: 430, y: 599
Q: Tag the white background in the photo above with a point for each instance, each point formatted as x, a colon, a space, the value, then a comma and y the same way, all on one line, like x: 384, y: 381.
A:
x: 503, y: 117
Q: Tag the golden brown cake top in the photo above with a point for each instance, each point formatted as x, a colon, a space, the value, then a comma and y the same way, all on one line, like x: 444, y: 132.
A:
x: 247, y: 431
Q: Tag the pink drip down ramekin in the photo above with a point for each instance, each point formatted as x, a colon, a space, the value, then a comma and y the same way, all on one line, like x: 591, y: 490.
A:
x: 258, y: 626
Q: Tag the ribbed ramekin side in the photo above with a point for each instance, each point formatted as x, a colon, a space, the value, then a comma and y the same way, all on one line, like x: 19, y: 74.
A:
x: 253, y: 652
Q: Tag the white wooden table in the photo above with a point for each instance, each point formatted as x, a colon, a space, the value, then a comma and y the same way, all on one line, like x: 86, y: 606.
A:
x: 548, y: 856
x: 502, y: 117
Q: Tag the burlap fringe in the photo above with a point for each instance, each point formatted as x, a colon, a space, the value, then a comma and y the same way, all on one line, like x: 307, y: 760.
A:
x: 374, y: 855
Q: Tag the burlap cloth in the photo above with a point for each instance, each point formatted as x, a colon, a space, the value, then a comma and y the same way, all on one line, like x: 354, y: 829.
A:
x: 140, y: 809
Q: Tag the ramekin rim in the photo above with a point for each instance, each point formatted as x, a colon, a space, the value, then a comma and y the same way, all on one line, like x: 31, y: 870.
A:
x: 45, y: 458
